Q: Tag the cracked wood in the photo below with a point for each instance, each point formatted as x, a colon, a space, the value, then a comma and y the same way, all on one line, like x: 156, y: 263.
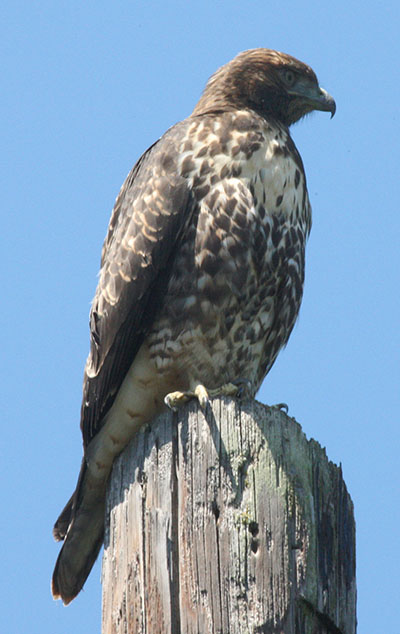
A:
x: 230, y: 523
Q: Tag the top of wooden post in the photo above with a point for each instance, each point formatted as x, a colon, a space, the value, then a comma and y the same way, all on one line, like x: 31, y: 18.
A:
x: 228, y: 521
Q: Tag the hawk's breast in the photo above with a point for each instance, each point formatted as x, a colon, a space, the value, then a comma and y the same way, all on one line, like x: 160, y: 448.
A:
x: 236, y: 282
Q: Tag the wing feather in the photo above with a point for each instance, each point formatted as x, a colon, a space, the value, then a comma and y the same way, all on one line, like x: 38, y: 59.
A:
x: 147, y: 221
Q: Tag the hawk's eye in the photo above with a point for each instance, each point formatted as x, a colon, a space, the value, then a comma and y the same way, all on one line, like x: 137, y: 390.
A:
x: 289, y: 77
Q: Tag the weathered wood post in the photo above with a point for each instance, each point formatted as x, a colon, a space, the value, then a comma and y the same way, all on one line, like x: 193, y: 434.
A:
x: 229, y: 522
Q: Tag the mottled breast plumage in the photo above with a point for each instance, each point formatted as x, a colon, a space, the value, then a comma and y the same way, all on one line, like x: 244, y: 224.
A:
x: 236, y: 283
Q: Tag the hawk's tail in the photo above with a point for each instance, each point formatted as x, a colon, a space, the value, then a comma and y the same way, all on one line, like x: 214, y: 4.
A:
x: 81, y: 526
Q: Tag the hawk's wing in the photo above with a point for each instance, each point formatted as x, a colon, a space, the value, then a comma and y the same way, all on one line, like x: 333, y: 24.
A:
x: 151, y: 211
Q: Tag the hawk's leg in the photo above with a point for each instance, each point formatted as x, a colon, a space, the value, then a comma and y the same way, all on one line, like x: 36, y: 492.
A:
x: 176, y: 399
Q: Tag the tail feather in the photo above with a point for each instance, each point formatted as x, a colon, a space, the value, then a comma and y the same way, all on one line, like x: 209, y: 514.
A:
x: 78, y: 554
x: 61, y: 526
x: 81, y: 526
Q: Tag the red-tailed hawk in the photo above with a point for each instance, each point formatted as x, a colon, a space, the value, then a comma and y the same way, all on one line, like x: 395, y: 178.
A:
x: 201, y: 273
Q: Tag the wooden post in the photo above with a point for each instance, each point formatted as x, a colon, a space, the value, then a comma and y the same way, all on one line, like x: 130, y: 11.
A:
x: 229, y: 522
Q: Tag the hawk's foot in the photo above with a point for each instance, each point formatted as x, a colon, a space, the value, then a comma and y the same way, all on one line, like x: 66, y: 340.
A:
x: 174, y: 400
x: 240, y: 388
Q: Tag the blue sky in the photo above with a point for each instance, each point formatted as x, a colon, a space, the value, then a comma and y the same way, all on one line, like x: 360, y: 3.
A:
x: 86, y: 88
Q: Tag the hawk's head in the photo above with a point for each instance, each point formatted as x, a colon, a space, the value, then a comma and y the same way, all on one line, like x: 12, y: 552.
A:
x: 271, y: 83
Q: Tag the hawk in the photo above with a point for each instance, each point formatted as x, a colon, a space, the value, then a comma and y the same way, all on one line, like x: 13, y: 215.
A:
x: 201, y: 277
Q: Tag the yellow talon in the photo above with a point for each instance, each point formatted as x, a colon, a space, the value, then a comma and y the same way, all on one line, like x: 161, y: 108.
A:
x: 175, y: 399
x: 201, y: 394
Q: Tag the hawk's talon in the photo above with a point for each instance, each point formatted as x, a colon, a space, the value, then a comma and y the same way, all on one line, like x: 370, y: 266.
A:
x: 228, y: 389
x: 244, y: 388
x: 282, y: 407
x: 240, y: 388
x: 201, y: 394
x: 174, y: 400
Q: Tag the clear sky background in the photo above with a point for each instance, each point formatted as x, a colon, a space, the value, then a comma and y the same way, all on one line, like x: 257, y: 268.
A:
x: 86, y: 87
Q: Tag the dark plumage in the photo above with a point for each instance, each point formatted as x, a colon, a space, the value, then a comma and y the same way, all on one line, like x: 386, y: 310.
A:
x: 201, y: 276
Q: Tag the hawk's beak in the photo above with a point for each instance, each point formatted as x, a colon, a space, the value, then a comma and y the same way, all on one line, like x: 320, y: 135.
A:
x: 314, y: 97
x: 324, y: 101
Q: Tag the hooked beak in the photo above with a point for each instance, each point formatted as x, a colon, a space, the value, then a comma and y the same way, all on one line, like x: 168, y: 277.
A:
x: 324, y: 101
x: 314, y: 97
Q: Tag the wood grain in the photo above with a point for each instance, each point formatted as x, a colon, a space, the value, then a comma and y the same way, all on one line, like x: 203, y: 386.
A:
x: 228, y: 522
